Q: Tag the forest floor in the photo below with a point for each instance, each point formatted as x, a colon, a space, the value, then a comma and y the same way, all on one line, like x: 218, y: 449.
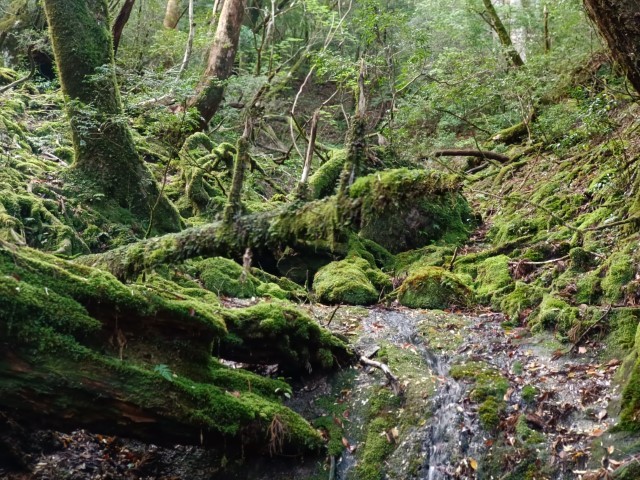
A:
x: 552, y: 399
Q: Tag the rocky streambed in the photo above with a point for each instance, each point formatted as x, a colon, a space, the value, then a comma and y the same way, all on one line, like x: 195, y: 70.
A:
x: 474, y: 398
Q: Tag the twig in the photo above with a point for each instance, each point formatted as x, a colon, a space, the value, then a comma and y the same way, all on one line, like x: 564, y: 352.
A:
x: 453, y: 259
x: 332, y: 469
x: 393, y: 380
x: 527, y: 262
x: 333, y: 314
x: 591, y: 327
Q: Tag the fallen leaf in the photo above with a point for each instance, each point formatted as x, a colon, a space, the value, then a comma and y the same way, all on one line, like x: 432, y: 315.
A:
x: 473, y: 463
x: 582, y: 350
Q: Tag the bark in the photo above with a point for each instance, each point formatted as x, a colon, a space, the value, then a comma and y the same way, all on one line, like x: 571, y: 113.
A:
x: 192, y: 33
x: 493, y: 19
x: 220, y: 64
x: 172, y: 14
x: 105, y: 152
x: 121, y: 21
x: 619, y: 23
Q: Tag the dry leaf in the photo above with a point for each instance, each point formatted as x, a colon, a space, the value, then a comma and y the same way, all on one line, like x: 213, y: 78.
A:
x: 473, y: 463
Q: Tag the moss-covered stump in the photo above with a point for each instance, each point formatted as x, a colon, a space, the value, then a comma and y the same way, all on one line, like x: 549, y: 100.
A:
x: 405, y: 209
x: 80, y: 349
x: 352, y: 280
x: 434, y: 287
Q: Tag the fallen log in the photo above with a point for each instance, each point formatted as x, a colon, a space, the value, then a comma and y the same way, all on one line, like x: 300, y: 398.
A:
x: 472, y: 153
x: 79, y: 349
x: 398, y: 209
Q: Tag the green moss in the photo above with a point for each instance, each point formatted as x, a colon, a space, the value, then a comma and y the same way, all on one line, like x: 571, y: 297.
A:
x: 323, y: 182
x: 430, y: 256
x: 489, y: 413
x: 493, y: 277
x: 58, y: 315
x: 620, y: 271
x: 529, y: 394
x: 352, y: 280
x: 588, y: 288
x: 623, y: 327
x: 404, y: 209
x: 488, y: 382
x: 523, y: 297
x: 295, y: 340
x: 433, y: 287
x: 526, y: 434
x: 554, y: 313
x: 225, y: 277
x: 580, y: 259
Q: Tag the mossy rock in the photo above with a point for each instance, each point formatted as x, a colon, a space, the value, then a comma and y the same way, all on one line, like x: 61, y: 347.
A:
x: 620, y: 271
x: 352, y: 280
x: 226, y: 277
x: 493, y: 277
x: 524, y: 296
x: 554, y: 313
x: 144, y: 352
x: 406, y: 209
x: 277, y: 332
x: 435, y: 288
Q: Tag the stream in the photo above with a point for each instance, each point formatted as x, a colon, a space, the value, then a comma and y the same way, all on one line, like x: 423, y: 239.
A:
x: 433, y: 428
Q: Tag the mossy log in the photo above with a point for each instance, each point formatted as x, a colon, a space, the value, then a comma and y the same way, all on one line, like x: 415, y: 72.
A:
x: 398, y: 209
x: 80, y: 349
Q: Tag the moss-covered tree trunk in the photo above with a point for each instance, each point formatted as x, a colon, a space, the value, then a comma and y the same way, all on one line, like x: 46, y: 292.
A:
x: 619, y: 24
x: 220, y: 63
x: 493, y: 19
x: 105, y: 153
x: 172, y: 14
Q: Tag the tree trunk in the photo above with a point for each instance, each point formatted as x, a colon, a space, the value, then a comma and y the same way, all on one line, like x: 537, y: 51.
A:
x: 121, y: 21
x: 619, y: 24
x: 221, y: 58
x: 192, y: 34
x: 493, y: 19
x: 105, y: 153
x: 172, y: 14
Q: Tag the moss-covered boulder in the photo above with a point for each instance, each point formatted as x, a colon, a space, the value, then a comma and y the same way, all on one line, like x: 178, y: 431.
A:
x: 620, y: 271
x: 406, y: 209
x: 225, y: 277
x: 352, y: 280
x: 493, y: 277
x: 554, y: 313
x: 434, y: 287
x: 523, y: 298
